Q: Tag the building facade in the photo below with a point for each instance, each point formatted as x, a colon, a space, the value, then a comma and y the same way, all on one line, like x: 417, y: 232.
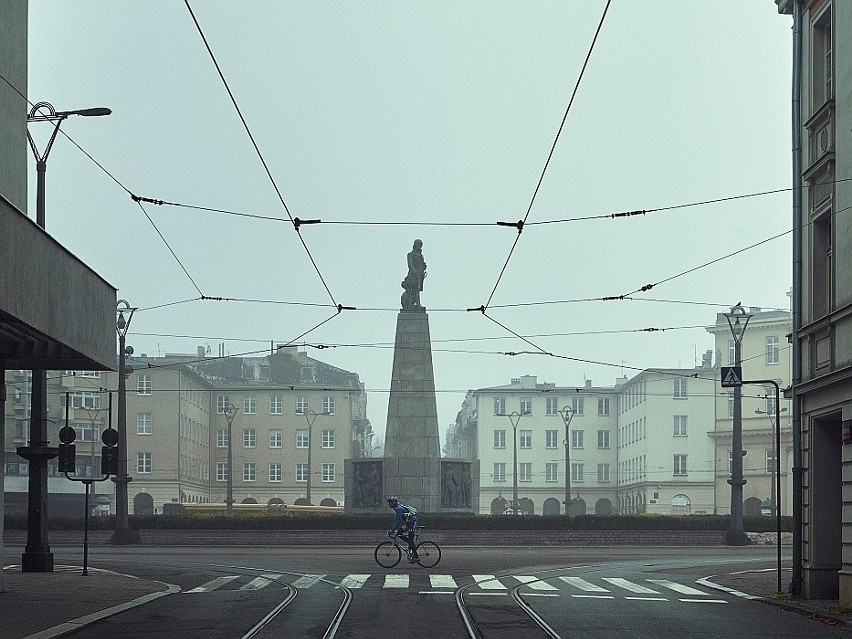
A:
x: 822, y: 294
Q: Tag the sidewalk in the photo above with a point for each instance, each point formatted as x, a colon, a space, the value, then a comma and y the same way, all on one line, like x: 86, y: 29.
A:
x: 50, y: 604
x: 42, y: 605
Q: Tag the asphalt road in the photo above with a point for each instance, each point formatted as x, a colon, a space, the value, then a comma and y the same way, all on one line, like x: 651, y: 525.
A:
x: 472, y: 592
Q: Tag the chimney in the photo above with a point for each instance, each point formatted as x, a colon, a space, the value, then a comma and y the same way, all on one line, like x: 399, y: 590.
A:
x: 588, y: 383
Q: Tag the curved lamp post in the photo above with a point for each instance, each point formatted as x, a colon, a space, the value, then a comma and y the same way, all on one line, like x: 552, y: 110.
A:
x: 514, y: 417
x: 310, y: 417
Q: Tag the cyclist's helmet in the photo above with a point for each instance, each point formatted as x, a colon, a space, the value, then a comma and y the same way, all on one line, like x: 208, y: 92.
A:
x: 392, y: 502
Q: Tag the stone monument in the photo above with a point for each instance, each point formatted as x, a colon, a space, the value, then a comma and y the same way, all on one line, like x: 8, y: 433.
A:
x: 412, y: 468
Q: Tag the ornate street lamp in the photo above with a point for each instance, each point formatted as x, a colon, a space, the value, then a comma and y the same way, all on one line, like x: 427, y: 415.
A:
x: 514, y: 417
x: 737, y: 321
x: 310, y: 417
x: 230, y: 413
x: 122, y: 535
x: 567, y: 414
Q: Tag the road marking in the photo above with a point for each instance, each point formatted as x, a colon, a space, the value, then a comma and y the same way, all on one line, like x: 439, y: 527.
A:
x: 534, y: 582
x: 488, y: 582
x: 396, y: 581
x: 647, y: 598
x: 629, y: 585
x: 213, y: 585
x: 540, y: 594
x: 306, y: 581
x: 682, y: 589
x: 354, y: 581
x: 737, y: 593
x: 594, y: 596
x: 721, y: 601
x: 582, y: 584
x: 436, y: 592
x: 443, y: 581
x: 260, y: 582
x: 486, y: 594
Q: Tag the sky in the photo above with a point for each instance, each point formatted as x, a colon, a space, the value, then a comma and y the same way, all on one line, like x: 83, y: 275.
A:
x: 392, y: 121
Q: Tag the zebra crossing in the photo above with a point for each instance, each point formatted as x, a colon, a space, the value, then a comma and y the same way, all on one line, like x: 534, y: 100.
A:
x: 477, y: 585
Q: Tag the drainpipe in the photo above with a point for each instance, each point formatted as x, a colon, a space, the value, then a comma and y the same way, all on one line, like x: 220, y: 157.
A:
x: 796, y: 583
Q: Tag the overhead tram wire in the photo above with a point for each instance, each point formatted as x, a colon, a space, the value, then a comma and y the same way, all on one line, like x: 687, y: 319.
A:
x: 520, y: 223
x: 295, y: 221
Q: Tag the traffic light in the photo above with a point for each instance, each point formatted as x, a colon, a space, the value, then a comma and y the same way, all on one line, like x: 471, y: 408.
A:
x: 67, y: 452
x: 109, y: 460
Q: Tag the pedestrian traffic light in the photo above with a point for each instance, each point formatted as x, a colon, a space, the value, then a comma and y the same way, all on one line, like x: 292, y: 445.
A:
x: 67, y: 452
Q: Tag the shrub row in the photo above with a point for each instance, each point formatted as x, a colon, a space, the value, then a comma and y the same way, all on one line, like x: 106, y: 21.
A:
x: 438, y: 521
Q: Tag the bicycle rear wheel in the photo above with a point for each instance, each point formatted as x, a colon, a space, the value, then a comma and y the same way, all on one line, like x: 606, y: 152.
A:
x: 387, y: 554
x: 428, y: 553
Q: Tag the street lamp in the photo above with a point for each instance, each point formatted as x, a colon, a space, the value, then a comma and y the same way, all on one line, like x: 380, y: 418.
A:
x: 122, y: 535
x: 310, y: 417
x: 774, y: 497
x: 514, y: 417
x: 37, y: 556
x: 737, y: 321
x: 567, y: 414
x: 230, y: 413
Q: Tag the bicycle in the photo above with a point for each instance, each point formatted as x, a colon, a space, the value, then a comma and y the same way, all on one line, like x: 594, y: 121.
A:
x: 389, y: 553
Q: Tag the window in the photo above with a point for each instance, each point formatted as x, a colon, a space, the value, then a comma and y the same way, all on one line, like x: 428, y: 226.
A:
x: 577, y: 405
x: 302, y: 472
x: 328, y: 472
x: 221, y: 404
x: 525, y: 472
x: 249, y: 404
x: 730, y: 405
x: 249, y: 438
x: 577, y: 472
x: 730, y: 462
x: 732, y: 352
x: 499, y: 405
x: 770, y: 461
x: 526, y: 406
x: 680, y: 425
x: 577, y: 438
x: 603, y: 473
x: 221, y: 471
x: 823, y: 269
x: 525, y: 439
x: 302, y: 438
x: 551, y: 472
x: 275, y: 405
x: 143, y: 463
x: 302, y: 405
x: 603, y: 406
x: 603, y: 439
x: 770, y: 404
x: 680, y: 388
x: 551, y: 439
x: 143, y: 384
x: 222, y: 438
x: 680, y: 464
x: 91, y: 401
x: 144, y: 424
x: 275, y: 472
x: 499, y: 472
x: 328, y: 404
x: 822, y: 60
x: 551, y: 406
x: 87, y: 432
x: 276, y: 438
x: 328, y: 439
x: 249, y: 471
x: 772, y: 349
x: 499, y: 439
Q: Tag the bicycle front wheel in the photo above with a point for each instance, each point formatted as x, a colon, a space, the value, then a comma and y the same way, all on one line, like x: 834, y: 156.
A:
x: 387, y: 554
x: 428, y: 553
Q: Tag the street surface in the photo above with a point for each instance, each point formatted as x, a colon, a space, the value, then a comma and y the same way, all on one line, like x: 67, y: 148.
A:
x: 473, y: 592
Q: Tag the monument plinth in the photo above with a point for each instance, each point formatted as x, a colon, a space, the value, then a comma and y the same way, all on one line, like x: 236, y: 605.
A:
x: 412, y: 468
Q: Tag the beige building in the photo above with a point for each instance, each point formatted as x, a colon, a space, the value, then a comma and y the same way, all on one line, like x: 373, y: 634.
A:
x: 822, y: 295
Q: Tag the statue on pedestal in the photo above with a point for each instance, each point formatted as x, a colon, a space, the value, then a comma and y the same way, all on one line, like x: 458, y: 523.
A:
x: 413, y: 282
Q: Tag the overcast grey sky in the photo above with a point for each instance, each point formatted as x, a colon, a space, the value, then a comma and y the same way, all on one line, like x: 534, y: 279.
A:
x: 433, y: 114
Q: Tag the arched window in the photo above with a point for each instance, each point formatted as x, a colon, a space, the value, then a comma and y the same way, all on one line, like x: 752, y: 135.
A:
x: 143, y: 504
x: 681, y: 505
x: 550, y: 507
x: 603, y: 507
x: 498, y: 506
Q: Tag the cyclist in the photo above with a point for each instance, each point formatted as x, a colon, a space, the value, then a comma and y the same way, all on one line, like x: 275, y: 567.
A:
x: 404, y: 526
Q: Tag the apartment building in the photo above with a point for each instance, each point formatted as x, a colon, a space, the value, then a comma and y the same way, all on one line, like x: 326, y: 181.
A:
x: 822, y: 294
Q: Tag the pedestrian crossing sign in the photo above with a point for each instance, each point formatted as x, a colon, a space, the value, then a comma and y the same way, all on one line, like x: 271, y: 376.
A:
x: 732, y: 376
